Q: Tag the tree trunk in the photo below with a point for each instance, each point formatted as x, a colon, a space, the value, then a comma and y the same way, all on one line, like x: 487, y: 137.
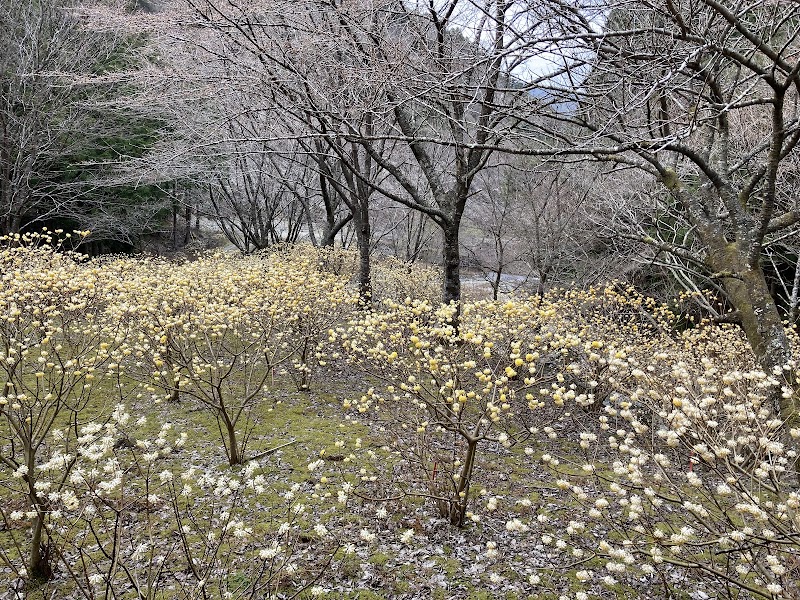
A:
x: 498, y: 278
x: 234, y: 454
x: 364, y: 237
x: 748, y: 290
x: 235, y: 457
x: 327, y: 240
x: 330, y: 233
x: 187, y: 232
x: 174, y: 226
x: 312, y: 234
x: 39, y: 567
x: 541, y: 285
x: 458, y: 506
x: 360, y: 214
x: 451, y: 261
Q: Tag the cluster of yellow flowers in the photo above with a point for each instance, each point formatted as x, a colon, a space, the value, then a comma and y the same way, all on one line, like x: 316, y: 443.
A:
x: 79, y: 337
x: 684, y: 462
x: 661, y: 440
x: 391, y: 278
x: 666, y: 437
x: 124, y: 515
x: 219, y: 330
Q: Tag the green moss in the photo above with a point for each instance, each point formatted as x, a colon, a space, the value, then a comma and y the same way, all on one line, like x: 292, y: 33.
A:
x: 450, y: 566
x: 379, y: 559
x: 367, y: 595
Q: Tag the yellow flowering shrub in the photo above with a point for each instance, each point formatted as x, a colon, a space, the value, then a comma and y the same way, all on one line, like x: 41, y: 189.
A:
x: 128, y: 518
x: 663, y: 439
x: 219, y: 329
x: 440, y: 395
x: 55, y: 346
x: 392, y: 278
x: 684, y: 463
x: 657, y: 445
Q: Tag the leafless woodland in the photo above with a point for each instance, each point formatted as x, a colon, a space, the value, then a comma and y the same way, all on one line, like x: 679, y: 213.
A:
x: 532, y: 143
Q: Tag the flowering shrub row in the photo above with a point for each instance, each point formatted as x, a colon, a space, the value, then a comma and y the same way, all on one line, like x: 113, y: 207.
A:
x: 662, y: 445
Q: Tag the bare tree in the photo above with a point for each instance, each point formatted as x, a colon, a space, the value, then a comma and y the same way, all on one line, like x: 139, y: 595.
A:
x: 406, y: 234
x: 703, y: 98
x: 352, y: 175
x: 441, y: 80
x: 453, y: 103
x: 258, y: 198
x: 63, y: 122
x: 493, y: 242
x: 45, y: 60
x: 535, y: 224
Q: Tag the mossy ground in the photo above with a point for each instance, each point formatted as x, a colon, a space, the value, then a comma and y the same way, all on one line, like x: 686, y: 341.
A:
x: 292, y: 428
